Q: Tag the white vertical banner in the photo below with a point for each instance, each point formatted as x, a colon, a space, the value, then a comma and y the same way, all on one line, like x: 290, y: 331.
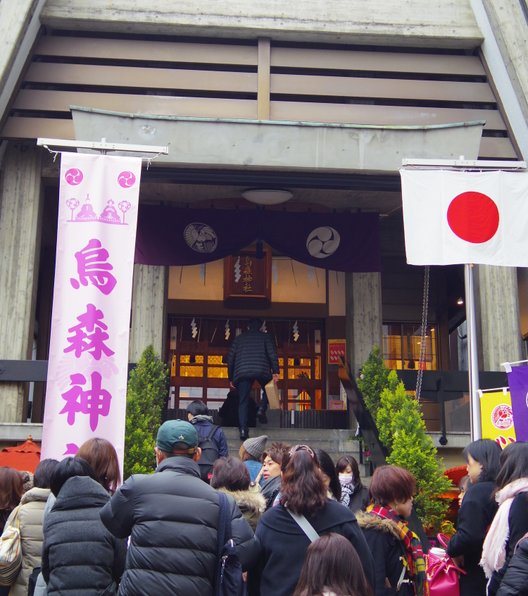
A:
x: 88, y: 358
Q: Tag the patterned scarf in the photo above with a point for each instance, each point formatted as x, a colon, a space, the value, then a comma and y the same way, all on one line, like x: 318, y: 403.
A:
x: 415, y: 561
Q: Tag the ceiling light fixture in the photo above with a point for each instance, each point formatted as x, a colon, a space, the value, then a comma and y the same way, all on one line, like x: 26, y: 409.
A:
x: 460, y: 301
x: 267, y: 196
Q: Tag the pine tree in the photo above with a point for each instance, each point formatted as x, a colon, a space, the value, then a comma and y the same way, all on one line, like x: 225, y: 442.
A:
x: 146, y: 393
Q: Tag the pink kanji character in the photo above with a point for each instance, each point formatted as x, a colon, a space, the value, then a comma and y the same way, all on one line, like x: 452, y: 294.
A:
x: 90, y: 334
x: 94, y: 401
x: 92, y: 267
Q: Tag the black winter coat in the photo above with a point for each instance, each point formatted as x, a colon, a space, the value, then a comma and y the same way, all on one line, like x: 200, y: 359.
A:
x: 252, y: 356
x: 284, y: 546
x: 387, y: 551
x: 474, y: 518
x: 518, y: 525
x: 515, y: 580
x: 171, y: 517
x: 79, y: 556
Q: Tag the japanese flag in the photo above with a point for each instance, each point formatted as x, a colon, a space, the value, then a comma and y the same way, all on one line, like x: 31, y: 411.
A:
x: 465, y: 217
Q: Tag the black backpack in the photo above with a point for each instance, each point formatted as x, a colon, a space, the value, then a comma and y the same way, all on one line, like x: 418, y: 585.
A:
x: 209, y: 454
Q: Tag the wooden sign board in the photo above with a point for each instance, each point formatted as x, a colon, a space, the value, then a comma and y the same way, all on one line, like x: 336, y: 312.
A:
x: 247, y: 280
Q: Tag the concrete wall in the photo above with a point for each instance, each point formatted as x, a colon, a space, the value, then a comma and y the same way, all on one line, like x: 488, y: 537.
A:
x: 511, y: 32
x: 448, y: 23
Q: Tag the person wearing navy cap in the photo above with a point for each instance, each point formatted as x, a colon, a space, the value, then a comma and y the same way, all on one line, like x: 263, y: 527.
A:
x: 171, y: 517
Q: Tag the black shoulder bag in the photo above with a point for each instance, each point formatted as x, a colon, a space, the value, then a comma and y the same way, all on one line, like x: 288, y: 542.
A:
x: 229, y: 580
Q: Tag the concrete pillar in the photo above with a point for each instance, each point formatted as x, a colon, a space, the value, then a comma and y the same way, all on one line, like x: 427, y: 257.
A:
x: 364, y: 319
x: 20, y: 215
x: 149, y: 299
x: 497, y: 300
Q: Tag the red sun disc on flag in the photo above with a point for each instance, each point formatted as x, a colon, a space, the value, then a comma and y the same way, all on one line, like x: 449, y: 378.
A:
x: 473, y: 217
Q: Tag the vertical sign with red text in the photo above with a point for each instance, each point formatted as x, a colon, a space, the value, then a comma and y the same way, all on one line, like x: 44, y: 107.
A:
x: 88, y: 359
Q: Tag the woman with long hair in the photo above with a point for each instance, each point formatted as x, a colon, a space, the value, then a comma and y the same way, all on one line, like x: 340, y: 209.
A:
x: 11, y: 489
x: 102, y: 457
x: 475, y: 514
x: 332, y: 568
x: 231, y: 476
x: 303, y: 497
x: 331, y: 480
x: 28, y: 517
x: 397, y: 552
x: 510, y: 523
x: 353, y: 494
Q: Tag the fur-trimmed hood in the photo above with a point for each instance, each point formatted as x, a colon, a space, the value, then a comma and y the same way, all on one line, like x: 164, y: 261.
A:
x: 252, y: 504
x: 369, y: 521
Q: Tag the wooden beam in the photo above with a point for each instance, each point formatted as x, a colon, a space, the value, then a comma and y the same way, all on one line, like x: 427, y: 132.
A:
x: 264, y: 79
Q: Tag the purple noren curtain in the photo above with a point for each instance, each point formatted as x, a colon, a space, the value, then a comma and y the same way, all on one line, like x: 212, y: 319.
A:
x: 338, y: 241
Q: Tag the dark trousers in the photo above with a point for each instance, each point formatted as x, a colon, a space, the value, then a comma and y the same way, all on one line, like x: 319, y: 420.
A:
x: 244, y: 391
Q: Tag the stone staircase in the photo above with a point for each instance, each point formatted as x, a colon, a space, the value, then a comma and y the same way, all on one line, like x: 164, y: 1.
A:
x: 336, y: 442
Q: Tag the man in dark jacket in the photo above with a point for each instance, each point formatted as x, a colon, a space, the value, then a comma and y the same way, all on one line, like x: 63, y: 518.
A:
x: 171, y: 517
x: 252, y: 357
x: 198, y: 416
x: 211, y: 438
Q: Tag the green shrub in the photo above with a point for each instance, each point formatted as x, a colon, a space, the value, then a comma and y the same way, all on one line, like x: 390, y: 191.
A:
x: 412, y: 449
x: 146, y: 393
x: 402, y: 430
x: 372, y: 380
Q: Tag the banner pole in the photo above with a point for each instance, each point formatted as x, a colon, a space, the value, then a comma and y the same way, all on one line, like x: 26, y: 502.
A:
x: 473, y: 371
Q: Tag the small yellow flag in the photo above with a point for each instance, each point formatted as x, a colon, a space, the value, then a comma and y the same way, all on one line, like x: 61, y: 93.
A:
x: 497, y: 417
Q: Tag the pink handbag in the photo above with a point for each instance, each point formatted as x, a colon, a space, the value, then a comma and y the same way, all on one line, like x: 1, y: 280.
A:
x: 442, y: 572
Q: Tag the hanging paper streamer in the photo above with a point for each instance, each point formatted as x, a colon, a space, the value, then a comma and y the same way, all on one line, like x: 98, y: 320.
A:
x: 238, y: 270
x: 227, y: 330
x: 497, y: 416
x: 295, y: 330
x: 194, y: 328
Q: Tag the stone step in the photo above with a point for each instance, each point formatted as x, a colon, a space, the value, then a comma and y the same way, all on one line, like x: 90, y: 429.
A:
x: 336, y: 442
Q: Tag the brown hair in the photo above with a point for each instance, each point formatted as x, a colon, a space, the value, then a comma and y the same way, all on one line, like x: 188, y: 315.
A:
x: 276, y: 451
x: 332, y: 565
x: 102, y: 457
x: 390, y: 484
x: 302, y: 488
x: 11, y: 488
x: 230, y: 473
x: 348, y: 460
x: 513, y: 464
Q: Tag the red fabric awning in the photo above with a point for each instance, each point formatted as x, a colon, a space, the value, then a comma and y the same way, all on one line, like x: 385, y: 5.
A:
x: 24, y: 457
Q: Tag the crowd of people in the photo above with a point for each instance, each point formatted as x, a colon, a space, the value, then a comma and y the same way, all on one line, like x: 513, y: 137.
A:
x: 302, y: 525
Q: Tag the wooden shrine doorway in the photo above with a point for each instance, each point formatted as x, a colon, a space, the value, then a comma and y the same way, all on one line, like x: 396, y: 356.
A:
x: 198, y: 348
